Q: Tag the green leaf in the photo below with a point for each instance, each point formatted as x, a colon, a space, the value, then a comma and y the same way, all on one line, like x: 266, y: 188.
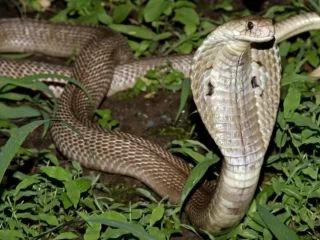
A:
x: 262, y: 196
x: 157, y: 214
x: 313, y: 58
x: 25, y: 183
x: 66, y: 235
x: 11, y: 234
x: 135, y: 31
x: 186, y: 16
x: 198, y: 157
x: 277, y: 185
x: 101, y: 13
x: 57, y: 172
x: 61, y: 16
x: 303, y: 213
x: 156, y: 232
x: 65, y: 200
x: 294, y: 78
x: 281, y: 121
x: 162, y: 36
x: 196, y: 143
x: 154, y: 9
x: 303, y: 121
x: 105, y: 119
x: 313, y: 173
x: 249, y: 234
x: 88, y: 202
x: 306, y: 133
x: 146, y: 194
x: 224, y: 5
x: 89, y: 19
x: 73, y: 192
x: 190, y: 29
x: 281, y: 138
x: 50, y: 219
x: 284, y: 48
x: 267, y: 234
x: 83, y: 184
x: 284, y: 216
x: 291, y: 102
x: 114, y: 216
x: 280, y: 231
x: 179, y: 4
x: 121, y: 12
x: 77, y: 166
x: 24, y: 206
x: 252, y: 223
x: 136, y: 213
x: 93, y: 232
x: 114, y: 233
x: 28, y: 216
x: 311, y: 140
x: 185, y: 48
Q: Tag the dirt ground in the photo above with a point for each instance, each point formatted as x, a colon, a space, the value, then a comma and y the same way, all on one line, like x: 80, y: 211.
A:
x: 140, y: 116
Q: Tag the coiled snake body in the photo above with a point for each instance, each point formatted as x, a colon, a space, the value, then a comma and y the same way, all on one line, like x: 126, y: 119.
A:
x: 235, y: 77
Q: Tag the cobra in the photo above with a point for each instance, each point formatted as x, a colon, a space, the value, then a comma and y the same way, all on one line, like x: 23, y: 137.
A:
x: 235, y: 79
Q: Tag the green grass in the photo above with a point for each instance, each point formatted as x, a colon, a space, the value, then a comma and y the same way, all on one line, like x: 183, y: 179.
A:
x: 60, y: 203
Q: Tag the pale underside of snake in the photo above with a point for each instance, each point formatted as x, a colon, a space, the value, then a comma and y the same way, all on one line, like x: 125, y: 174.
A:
x: 235, y: 76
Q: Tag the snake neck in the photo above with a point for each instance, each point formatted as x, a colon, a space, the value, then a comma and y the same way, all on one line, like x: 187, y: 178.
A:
x: 226, y: 78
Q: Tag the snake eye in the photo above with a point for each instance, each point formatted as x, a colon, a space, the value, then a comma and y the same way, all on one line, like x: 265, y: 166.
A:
x: 250, y: 25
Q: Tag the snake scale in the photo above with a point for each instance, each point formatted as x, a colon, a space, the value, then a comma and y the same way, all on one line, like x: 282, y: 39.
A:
x: 235, y: 79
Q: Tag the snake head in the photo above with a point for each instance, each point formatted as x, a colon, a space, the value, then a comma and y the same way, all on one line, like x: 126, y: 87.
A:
x: 250, y: 29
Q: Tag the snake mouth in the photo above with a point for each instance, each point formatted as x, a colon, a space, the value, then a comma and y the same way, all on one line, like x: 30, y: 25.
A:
x: 257, y: 39
x: 266, y: 39
x: 264, y: 44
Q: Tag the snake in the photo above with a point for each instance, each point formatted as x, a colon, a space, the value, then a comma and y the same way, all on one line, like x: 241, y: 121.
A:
x: 235, y: 81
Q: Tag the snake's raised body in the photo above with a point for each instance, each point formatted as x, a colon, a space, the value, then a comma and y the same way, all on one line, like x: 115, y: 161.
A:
x: 235, y: 77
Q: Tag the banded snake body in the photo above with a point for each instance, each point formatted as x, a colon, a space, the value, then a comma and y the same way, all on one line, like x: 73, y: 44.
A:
x: 235, y: 77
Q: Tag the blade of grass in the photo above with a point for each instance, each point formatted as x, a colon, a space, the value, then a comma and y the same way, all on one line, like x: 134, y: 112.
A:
x: 279, y: 230
x: 13, y: 144
x: 195, y: 176
x: 185, y: 90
